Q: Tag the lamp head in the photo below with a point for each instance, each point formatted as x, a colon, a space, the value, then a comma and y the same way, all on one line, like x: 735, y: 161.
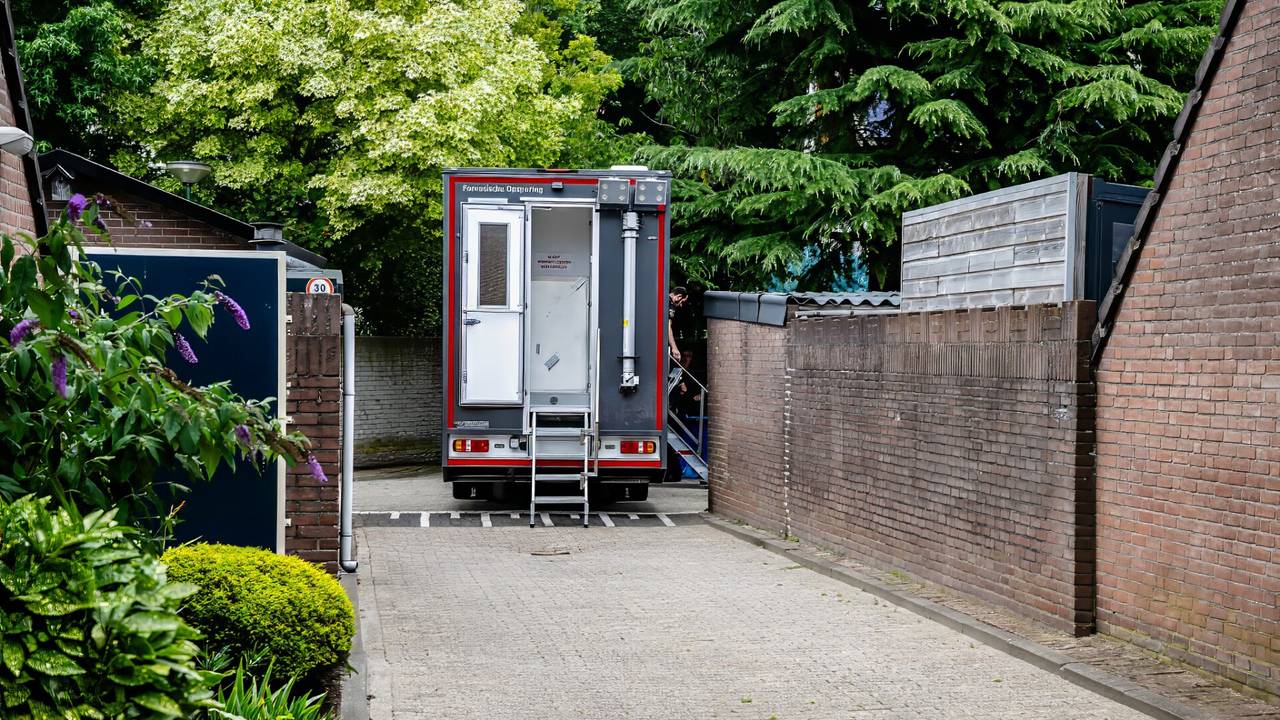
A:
x: 188, y: 172
x: 15, y: 140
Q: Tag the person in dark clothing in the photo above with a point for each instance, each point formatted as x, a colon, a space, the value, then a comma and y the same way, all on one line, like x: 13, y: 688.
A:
x: 676, y: 301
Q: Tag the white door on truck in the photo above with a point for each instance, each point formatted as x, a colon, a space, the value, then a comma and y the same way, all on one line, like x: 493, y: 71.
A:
x: 492, y: 305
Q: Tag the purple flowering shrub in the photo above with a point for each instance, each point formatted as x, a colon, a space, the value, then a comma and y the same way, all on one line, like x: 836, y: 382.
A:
x: 89, y: 412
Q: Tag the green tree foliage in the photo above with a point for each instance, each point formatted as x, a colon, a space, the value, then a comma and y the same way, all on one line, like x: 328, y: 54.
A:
x: 89, y: 411
x: 338, y: 116
x: 89, y: 623
x: 807, y: 124
x: 75, y: 55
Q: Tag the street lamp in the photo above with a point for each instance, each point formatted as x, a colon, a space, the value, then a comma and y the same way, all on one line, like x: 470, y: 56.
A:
x: 188, y: 172
x: 15, y: 140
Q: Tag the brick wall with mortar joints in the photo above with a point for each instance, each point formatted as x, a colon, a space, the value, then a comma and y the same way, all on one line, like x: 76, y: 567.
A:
x: 168, y: 229
x: 953, y: 445
x: 399, y: 382
x: 314, y: 365
x: 1189, y: 391
x: 746, y: 369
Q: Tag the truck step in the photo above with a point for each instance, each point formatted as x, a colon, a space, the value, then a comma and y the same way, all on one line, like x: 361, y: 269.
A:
x: 554, y: 499
x: 559, y: 477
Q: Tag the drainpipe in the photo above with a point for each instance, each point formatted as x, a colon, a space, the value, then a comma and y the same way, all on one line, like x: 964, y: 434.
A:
x: 630, y: 231
x: 346, y: 559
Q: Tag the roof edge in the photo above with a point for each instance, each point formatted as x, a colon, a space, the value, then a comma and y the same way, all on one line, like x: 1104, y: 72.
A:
x: 1128, y: 261
x: 88, y: 168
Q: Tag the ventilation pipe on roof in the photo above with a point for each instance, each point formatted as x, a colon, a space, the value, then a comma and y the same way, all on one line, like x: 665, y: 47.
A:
x: 267, y: 235
x: 346, y: 554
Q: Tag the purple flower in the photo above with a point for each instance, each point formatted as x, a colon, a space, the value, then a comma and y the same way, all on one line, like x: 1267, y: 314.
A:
x: 242, y: 434
x: 22, y: 330
x: 317, y: 472
x: 59, y: 372
x: 73, y: 314
x: 234, y: 308
x: 76, y: 206
x: 184, y: 349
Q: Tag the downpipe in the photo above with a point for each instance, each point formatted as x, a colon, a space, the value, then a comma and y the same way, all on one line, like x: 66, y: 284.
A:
x: 630, y: 232
x: 346, y: 559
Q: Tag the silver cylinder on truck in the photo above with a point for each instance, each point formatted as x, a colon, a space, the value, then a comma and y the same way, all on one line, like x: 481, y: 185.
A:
x: 630, y: 232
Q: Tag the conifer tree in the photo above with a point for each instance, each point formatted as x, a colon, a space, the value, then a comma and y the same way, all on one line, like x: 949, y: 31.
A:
x: 805, y: 128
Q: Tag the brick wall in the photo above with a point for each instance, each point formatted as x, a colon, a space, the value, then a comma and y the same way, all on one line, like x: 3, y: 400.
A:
x: 314, y: 363
x: 16, y: 213
x: 1189, y: 391
x: 952, y: 445
x: 162, y: 227
x: 398, y: 382
x: 747, y: 374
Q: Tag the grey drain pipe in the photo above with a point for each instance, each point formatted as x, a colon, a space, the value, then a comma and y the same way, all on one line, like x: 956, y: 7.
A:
x: 346, y: 559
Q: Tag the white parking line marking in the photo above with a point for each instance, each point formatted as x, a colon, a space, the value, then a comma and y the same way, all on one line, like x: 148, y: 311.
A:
x: 604, y: 518
x: 546, y: 519
x: 515, y: 516
x: 454, y: 516
x: 395, y: 516
x: 573, y: 517
x: 634, y: 516
x: 424, y: 520
x: 485, y: 521
x: 666, y: 520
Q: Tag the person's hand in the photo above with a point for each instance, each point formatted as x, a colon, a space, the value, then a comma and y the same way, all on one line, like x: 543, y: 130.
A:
x: 675, y: 354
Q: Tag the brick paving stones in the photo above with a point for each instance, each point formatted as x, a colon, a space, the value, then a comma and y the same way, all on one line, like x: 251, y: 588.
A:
x: 661, y: 622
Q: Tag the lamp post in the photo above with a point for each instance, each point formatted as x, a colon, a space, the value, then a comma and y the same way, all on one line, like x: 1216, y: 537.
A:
x: 188, y: 172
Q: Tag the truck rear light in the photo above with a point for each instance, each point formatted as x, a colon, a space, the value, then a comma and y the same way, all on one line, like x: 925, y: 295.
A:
x: 460, y: 445
x: 638, y: 447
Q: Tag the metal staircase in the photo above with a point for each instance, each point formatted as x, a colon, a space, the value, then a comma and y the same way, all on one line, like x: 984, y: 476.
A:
x: 587, y: 437
x: 688, y: 443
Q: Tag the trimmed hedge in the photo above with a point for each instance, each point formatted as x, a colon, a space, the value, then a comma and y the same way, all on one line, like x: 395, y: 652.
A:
x: 255, y: 600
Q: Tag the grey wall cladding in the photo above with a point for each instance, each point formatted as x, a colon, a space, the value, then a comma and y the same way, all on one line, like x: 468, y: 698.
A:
x: 1008, y: 247
x: 398, y: 400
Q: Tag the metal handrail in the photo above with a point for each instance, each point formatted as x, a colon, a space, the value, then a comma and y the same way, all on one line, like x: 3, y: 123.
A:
x: 702, y: 411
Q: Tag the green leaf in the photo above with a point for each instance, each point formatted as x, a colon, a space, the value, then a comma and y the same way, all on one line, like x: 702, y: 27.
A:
x: 162, y: 704
x: 50, y: 662
x: 173, y: 316
x: 43, y: 306
x: 14, y: 656
x: 152, y: 622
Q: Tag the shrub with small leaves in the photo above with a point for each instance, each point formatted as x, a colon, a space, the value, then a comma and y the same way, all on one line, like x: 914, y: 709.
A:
x: 252, y: 600
x: 89, y: 622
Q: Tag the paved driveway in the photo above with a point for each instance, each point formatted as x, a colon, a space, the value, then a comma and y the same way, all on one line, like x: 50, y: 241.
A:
x: 660, y: 621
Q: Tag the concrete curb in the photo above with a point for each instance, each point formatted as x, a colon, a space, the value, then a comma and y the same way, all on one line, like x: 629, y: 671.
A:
x: 355, y: 684
x: 1086, y: 676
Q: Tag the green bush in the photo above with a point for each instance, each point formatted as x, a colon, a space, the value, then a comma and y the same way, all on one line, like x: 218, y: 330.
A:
x: 89, y: 623
x: 252, y: 599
